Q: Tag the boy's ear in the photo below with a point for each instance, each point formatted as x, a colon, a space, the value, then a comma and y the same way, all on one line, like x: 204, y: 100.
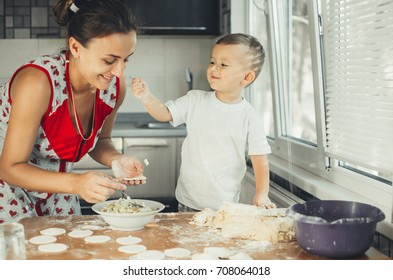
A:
x: 249, y: 77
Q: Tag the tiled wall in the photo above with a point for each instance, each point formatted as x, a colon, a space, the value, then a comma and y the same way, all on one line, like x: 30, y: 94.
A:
x: 26, y: 27
x: 161, y: 61
x: 28, y: 19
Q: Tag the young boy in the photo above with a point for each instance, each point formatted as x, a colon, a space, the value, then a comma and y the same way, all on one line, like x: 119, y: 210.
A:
x: 221, y: 128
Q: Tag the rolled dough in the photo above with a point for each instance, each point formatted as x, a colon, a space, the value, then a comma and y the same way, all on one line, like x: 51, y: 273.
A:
x: 97, y: 239
x: 244, y: 221
x: 177, y: 253
x: 53, y: 231
x: 42, y: 239
x: 128, y: 240
x: 78, y: 233
x: 52, y: 248
x: 132, y: 249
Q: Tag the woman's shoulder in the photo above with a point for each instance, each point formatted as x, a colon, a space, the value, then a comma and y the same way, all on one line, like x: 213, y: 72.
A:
x: 52, y: 61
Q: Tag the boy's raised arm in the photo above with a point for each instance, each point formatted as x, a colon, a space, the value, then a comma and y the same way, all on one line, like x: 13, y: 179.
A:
x: 152, y: 104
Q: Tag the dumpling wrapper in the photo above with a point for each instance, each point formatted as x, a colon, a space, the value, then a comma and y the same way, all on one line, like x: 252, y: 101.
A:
x: 132, y: 249
x: 53, y: 231
x: 97, y: 238
x: 42, y: 239
x: 177, y: 252
x: 52, y: 248
x: 128, y: 240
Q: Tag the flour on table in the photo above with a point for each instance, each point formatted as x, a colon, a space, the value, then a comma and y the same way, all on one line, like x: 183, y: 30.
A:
x: 52, y: 248
x: 97, y: 238
x: 53, y: 231
x: 150, y: 255
x: 132, y: 249
x: 42, y: 239
x: 177, y: 253
x: 244, y: 221
x: 78, y: 233
x: 128, y: 240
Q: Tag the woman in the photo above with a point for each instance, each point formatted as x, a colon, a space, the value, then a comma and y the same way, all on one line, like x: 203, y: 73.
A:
x: 57, y: 108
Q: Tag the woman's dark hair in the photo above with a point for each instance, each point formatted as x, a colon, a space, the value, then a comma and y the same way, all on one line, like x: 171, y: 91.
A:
x: 256, y: 53
x: 93, y: 19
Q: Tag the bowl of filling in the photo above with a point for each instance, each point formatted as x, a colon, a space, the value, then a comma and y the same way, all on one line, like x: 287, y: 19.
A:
x: 335, y: 228
x: 128, y: 214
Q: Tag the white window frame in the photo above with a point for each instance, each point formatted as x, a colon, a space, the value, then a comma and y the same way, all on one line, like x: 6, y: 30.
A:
x: 307, y: 166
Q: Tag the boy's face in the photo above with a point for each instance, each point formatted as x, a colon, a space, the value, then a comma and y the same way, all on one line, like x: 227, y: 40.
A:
x: 228, y: 69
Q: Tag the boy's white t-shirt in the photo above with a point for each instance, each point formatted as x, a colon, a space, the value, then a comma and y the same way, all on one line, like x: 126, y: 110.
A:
x: 219, y: 136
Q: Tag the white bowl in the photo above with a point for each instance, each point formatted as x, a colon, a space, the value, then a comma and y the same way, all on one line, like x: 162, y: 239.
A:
x: 129, y: 221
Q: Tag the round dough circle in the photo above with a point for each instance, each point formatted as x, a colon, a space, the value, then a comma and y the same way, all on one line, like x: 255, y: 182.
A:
x: 52, y: 248
x: 42, y: 239
x: 53, y: 231
x: 218, y: 252
x: 128, y: 240
x: 132, y: 249
x: 97, y: 238
x: 79, y: 233
x: 177, y: 252
x: 150, y: 255
x: 203, y: 256
x: 91, y: 227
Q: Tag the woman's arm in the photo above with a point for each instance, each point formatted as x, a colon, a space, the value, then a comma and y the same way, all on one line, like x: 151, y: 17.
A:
x: 105, y: 153
x: 30, y: 94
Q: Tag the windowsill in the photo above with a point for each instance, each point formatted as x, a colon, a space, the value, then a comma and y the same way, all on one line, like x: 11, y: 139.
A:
x: 323, y: 189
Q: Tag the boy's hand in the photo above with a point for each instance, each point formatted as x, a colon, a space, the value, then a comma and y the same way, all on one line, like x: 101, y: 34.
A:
x: 140, y: 89
x: 263, y: 200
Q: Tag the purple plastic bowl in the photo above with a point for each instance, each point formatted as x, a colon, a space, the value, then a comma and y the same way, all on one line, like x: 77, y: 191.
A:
x: 335, y: 228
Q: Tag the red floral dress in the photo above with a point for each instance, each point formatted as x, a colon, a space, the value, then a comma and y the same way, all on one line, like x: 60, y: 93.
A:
x: 57, y: 146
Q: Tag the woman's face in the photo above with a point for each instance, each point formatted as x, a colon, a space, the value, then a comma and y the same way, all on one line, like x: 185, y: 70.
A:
x: 104, y: 58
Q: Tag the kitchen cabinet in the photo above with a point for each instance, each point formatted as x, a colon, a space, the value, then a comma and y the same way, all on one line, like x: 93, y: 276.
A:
x: 161, y: 171
x: 176, y: 17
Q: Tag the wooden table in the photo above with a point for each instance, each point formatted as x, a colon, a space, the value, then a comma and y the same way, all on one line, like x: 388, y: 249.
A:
x: 167, y: 230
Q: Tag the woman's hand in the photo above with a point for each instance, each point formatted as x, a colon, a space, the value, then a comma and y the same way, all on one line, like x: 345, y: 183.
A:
x: 97, y: 187
x: 263, y: 200
x: 126, y: 167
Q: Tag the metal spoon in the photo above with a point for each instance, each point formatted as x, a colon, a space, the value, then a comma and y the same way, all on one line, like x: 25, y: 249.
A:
x: 126, y: 196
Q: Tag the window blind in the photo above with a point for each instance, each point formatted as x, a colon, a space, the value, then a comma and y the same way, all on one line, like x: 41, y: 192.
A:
x: 358, y: 55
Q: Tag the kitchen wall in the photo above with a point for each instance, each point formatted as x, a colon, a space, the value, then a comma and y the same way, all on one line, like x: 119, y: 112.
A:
x: 160, y: 60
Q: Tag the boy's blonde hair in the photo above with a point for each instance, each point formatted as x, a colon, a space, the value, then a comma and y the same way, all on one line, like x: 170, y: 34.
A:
x: 256, y: 53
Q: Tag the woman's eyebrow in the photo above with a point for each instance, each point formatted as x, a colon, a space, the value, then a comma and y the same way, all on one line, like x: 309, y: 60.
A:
x: 116, y: 56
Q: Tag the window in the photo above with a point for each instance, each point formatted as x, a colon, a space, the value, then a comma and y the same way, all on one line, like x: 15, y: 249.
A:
x: 359, y: 84
x: 260, y: 94
x: 332, y: 95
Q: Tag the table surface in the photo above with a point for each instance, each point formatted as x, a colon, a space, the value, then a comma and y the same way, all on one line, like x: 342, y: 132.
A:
x: 167, y: 230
